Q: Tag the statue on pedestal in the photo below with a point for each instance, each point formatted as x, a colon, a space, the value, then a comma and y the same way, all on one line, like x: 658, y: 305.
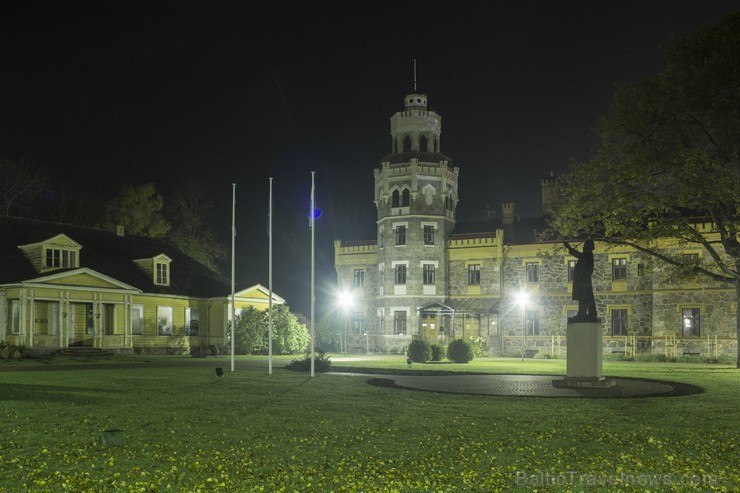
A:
x: 582, y: 288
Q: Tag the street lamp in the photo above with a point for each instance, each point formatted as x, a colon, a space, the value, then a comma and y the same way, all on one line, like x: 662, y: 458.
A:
x: 345, y: 301
x: 367, y: 343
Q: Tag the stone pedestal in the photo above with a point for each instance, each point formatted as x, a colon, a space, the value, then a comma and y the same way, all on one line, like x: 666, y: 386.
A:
x: 584, y: 357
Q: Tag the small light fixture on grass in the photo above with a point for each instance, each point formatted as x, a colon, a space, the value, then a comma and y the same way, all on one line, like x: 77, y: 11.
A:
x: 219, y: 372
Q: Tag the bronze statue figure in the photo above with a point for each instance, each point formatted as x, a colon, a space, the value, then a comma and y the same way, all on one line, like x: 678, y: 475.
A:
x: 582, y: 289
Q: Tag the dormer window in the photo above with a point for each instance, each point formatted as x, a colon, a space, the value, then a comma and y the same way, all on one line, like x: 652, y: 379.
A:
x: 59, y: 257
x: 58, y: 252
x: 157, y: 267
x: 162, y: 274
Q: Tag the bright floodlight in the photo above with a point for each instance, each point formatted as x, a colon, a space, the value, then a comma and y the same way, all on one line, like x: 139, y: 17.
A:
x: 345, y: 299
x: 522, y: 298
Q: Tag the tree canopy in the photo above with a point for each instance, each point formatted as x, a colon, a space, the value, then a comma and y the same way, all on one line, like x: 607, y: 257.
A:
x: 21, y: 187
x: 252, y: 330
x: 668, y: 162
x: 138, y: 209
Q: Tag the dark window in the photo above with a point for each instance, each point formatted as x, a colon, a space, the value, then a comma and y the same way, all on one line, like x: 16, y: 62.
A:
x: 407, y: 144
x: 399, y: 322
x: 400, y: 277
x: 690, y: 258
x: 400, y: 235
x: 619, y: 322
x: 474, y: 274
x: 359, y: 278
x: 405, y: 198
x: 428, y: 272
x: 429, y: 235
x: 358, y: 322
x: 691, y: 322
x: 533, y: 274
x: 423, y: 144
x: 619, y: 269
x: 532, y: 323
x: 571, y: 268
x: 396, y: 199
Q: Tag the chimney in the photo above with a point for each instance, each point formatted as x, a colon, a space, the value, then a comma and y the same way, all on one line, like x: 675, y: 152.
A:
x: 550, y: 194
x: 487, y: 214
x: 120, y: 230
x: 507, y: 209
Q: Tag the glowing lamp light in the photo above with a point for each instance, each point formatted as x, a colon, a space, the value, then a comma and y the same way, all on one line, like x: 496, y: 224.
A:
x: 522, y: 298
x: 345, y: 299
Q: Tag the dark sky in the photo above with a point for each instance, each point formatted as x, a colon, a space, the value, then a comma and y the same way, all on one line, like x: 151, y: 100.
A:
x: 113, y: 92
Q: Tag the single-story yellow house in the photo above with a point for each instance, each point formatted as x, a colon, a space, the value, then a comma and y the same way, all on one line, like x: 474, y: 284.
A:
x: 67, y: 286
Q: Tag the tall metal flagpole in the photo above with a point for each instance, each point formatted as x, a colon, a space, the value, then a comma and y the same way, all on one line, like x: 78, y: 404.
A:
x: 313, y: 298
x: 233, y: 236
x: 269, y: 277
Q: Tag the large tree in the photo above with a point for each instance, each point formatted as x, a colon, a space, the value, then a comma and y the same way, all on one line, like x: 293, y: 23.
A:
x: 138, y: 209
x: 190, y: 209
x: 668, y: 162
x: 252, y: 332
x: 22, y: 186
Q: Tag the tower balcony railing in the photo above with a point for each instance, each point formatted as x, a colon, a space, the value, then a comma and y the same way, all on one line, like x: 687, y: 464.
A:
x: 425, y: 157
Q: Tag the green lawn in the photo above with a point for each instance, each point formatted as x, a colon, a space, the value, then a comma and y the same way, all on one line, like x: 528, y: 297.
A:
x: 186, y: 431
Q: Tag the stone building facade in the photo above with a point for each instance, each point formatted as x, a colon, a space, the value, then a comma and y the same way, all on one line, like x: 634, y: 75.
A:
x: 428, y: 275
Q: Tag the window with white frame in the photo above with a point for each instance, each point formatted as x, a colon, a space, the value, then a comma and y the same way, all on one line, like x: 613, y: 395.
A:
x: 15, y: 316
x: 192, y: 321
x: 359, y: 280
x: 162, y: 276
x: 60, y: 257
x: 428, y: 273
x: 137, y: 319
x: 400, y: 274
x: 358, y: 322
x: 52, y: 315
x: 428, y: 235
x: 165, y: 326
x: 399, y: 322
x: 533, y: 271
x: 619, y: 269
x: 400, y: 235
x: 532, y: 323
x: 474, y: 274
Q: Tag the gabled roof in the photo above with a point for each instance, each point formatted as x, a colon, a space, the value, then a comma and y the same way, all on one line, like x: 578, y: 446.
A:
x: 109, y: 255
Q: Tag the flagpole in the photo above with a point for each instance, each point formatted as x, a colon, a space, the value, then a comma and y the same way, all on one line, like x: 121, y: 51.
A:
x: 313, y: 299
x: 233, y: 236
x: 269, y: 276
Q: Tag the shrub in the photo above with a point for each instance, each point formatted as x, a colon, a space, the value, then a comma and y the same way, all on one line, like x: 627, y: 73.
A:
x: 459, y: 351
x: 321, y: 363
x: 419, y: 351
x: 438, y: 352
x: 478, y: 344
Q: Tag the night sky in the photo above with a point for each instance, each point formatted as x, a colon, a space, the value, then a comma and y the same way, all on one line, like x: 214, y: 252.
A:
x: 115, y: 92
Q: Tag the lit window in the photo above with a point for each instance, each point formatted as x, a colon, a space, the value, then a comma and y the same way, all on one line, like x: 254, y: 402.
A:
x: 359, y: 278
x: 428, y: 273
x: 533, y: 274
x: 400, y: 277
x: 691, y: 322
x: 474, y: 274
x: 619, y: 322
x: 429, y: 235
x: 619, y: 269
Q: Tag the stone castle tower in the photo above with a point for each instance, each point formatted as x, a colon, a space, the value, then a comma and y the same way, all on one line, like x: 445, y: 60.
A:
x: 416, y: 197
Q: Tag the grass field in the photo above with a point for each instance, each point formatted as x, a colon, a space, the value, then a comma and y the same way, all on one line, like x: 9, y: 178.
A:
x: 187, y: 431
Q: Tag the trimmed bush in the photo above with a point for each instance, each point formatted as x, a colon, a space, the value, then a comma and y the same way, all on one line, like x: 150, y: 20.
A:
x: 459, y: 351
x: 419, y: 351
x: 438, y: 352
x: 321, y: 363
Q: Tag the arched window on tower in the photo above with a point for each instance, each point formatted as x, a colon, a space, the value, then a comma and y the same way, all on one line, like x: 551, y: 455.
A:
x: 395, y: 199
x: 407, y: 144
x: 405, y: 198
x: 423, y: 144
x: 436, y: 145
x: 447, y: 202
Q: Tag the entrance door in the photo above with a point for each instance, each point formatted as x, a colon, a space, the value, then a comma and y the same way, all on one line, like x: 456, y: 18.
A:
x: 81, y: 324
x: 429, y: 327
